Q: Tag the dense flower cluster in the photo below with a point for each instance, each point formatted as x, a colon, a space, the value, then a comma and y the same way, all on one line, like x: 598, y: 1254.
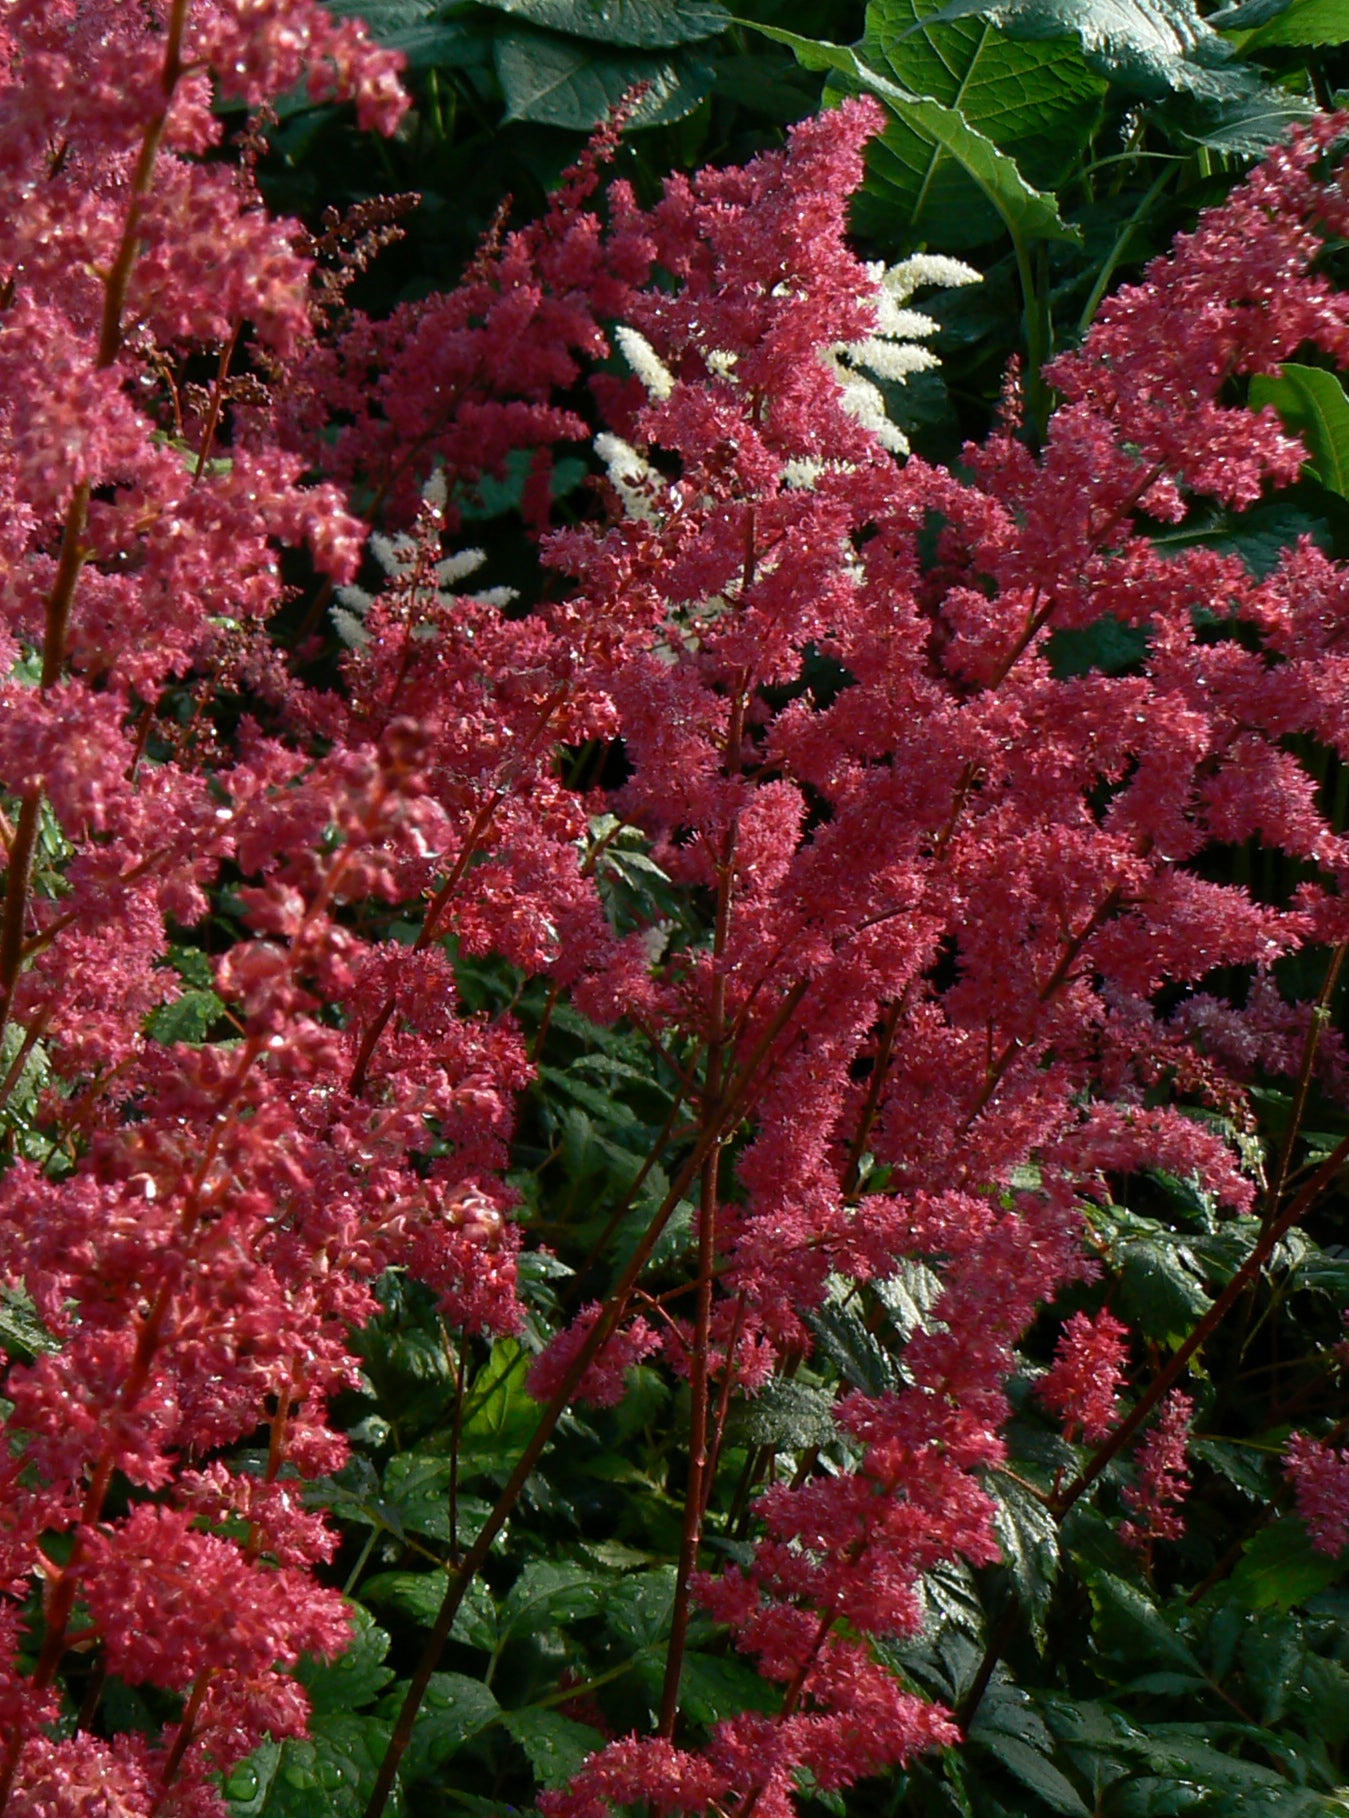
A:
x: 1320, y: 1475
x: 1086, y: 1375
x: 947, y: 881
x: 1163, y: 1477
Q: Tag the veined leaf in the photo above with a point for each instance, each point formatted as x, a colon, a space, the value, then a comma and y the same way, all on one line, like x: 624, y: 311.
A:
x: 331, y: 1771
x: 1313, y: 405
x: 1131, y: 1628
x: 1037, y: 1772
x: 845, y: 1340
x: 1304, y: 22
x: 1280, y: 1568
x: 784, y: 1413
x: 922, y: 126
x: 354, y: 1678
x: 422, y: 31
x: 1029, y: 1538
x: 455, y: 1708
x: 22, y: 1333
x: 1248, y: 124
x: 420, y: 1595
x: 556, y: 1745
x: 1152, y: 47
x: 186, y: 1019
x: 1160, y: 1288
x: 642, y: 24
x: 1031, y: 99
x: 638, y: 1609
x: 567, y: 81
x: 546, y: 1595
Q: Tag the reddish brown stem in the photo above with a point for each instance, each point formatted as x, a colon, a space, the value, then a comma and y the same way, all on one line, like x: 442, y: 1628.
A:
x: 728, y: 1116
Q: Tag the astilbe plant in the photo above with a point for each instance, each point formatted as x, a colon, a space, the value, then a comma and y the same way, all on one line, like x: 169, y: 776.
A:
x: 945, y: 885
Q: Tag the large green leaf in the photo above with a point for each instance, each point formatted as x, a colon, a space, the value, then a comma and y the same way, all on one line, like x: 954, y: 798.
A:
x: 1160, y: 1289
x: 638, y: 1609
x: 422, y: 31
x: 1313, y: 405
x: 1247, y: 124
x: 1040, y: 100
x: 569, y: 81
x: 500, y: 1415
x: 1150, y: 47
x: 1305, y: 22
x: 22, y: 1334
x: 856, y: 1352
x: 712, y: 1687
x: 785, y: 1414
x: 921, y: 127
x: 186, y: 1019
x: 642, y: 24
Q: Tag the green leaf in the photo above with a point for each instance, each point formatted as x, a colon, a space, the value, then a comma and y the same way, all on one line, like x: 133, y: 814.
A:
x: 1131, y: 1629
x: 1037, y: 1772
x: 643, y: 24
x: 1150, y: 47
x: 909, y: 1295
x: 784, y: 1413
x: 1029, y: 1538
x: 546, y: 1595
x: 1245, y: 1467
x: 711, y: 1686
x: 419, y: 1596
x: 638, y: 1608
x: 1280, y: 1568
x: 417, y: 1485
x: 1159, y: 1291
x: 186, y: 1019
x: 1033, y: 100
x: 1246, y: 125
x: 1272, y: 1655
x: 922, y: 126
x: 22, y: 1333
x: 427, y: 40
x: 557, y: 1746
x: 354, y: 1678
x: 331, y: 1772
x: 1304, y: 22
x: 193, y: 966
x: 1313, y: 406
x: 1188, y: 1752
x: 1106, y: 646
x: 854, y: 1350
x: 493, y: 497
x: 455, y: 1708
x: 1326, y: 1690
x: 501, y: 1413
x: 557, y: 81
